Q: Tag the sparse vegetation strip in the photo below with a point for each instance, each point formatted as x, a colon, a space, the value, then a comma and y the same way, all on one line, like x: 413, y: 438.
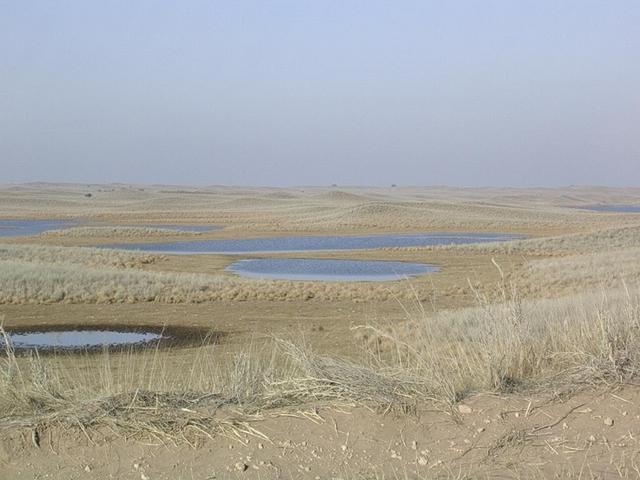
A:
x: 433, y: 359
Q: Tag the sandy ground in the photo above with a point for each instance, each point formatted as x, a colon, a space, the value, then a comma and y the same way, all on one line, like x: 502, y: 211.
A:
x: 512, y: 437
x: 593, y: 434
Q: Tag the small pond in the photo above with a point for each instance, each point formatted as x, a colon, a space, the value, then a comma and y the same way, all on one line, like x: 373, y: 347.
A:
x: 79, y: 338
x: 328, y: 270
x: 73, y: 339
x: 24, y: 228
x: 313, y: 243
x: 613, y: 208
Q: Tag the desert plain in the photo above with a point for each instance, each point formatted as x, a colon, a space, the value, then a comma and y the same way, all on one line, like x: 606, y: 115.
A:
x: 516, y: 359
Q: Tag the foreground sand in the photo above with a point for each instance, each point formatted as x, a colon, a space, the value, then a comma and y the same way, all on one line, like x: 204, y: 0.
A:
x: 587, y: 435
x: 502, y: 436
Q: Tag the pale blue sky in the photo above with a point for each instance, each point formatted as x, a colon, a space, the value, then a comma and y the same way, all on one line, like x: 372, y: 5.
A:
x: 320, y: 92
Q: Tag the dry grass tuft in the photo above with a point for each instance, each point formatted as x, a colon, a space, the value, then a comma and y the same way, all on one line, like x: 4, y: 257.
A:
x: 516, y: 345
x: 41, y: 283
x: 148, y: 393
x: 85, y: 256
x: 44, y: 274
x: 573, y: 274
x: 119, y: 232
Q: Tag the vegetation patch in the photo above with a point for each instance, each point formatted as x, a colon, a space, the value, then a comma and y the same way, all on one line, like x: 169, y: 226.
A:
x: 119, y: 232
x: 436, y: 360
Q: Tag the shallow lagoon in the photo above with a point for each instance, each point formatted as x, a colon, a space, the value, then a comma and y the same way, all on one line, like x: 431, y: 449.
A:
x: 24, y: 228
x: 613, y: 208
x: 314, y: 243
x: 328, y: 270
x: 82, y: 338
x: 79, y: 339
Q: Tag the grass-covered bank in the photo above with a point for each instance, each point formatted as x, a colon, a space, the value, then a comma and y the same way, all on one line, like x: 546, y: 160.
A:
x: 431, y: 359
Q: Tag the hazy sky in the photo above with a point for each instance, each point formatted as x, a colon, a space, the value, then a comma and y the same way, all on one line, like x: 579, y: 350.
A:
x: 320, y: 92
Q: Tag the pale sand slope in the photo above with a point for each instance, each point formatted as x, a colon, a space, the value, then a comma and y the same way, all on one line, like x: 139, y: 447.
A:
x: 324, y: 209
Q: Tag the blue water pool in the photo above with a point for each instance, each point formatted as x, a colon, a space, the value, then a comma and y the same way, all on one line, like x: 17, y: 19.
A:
x: 82, y: 338
x: 328, y: 270
x: 613, y: 208
x: 314, y: 243
x: 24, y: 228
x: 78, y: 339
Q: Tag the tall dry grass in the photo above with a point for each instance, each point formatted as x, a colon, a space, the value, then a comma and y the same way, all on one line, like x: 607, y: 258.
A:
x: 87, y: 256
x: 513, y: 345
x: 42, y: 283
x: 44, y: 274
x: 28, y: 282
x: 157, y: 393
x: 119, y: 232
x: 572, y: 274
